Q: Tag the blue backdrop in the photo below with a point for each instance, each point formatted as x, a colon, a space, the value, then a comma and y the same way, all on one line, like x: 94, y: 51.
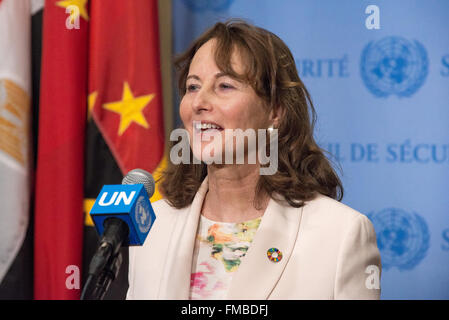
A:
x: 382, y: 98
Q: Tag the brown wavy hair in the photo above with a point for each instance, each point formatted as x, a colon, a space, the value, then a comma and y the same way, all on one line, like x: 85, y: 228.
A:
x: 303, y: 169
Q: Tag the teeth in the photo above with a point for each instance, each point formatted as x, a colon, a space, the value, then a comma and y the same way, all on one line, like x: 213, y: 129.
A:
x: 200, y: 126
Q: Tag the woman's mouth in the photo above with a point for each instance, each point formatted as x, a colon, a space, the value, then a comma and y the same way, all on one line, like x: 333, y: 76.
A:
x: 206, y: 131
x: 206, y: 126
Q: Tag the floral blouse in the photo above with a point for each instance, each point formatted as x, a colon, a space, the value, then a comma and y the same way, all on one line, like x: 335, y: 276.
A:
x: 219, y: 250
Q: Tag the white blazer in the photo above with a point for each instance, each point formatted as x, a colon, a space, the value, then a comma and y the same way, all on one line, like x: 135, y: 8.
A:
x: 329, y: 252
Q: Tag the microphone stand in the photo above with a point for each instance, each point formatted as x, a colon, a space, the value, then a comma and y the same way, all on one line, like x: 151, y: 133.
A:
x: 98, y: 289
x: 106, y: 277
x: 106, y: 262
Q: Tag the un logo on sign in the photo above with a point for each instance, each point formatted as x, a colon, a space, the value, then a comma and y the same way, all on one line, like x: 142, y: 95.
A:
x: 394, y: 65
x: 203, y: 5
x: 403, y: 238
x: 142, y: 215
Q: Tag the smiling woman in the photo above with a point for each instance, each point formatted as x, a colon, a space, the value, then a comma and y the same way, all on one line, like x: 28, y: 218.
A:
x: 225, y: 230
x: 246, y: 76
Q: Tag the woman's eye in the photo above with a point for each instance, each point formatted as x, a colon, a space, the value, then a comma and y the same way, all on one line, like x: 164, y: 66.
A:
x: 192, y: 87
x: 226, y: 86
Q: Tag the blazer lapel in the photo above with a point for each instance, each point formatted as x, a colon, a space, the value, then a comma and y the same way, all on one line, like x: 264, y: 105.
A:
x: 257, y: 276
x: 175, y: 283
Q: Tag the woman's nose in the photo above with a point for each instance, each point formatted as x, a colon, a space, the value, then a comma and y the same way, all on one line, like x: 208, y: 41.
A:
x: 202, y: 101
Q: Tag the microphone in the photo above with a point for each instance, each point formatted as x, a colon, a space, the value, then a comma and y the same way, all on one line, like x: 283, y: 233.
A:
x: 123, y: 216
x: 123, y: 213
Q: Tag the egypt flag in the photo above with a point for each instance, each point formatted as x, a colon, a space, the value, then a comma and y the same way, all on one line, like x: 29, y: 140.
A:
x: 60, y: 161
x: 15, y: 91
x: 125, y: 122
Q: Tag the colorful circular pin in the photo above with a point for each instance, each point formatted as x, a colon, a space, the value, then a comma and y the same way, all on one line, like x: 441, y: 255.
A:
x: 274, y: 254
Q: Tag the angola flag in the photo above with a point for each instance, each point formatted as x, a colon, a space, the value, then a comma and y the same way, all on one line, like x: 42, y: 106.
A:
x: 60, y: 160
x: 125, y: 127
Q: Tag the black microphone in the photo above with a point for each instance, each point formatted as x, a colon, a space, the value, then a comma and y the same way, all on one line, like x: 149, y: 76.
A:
x: 123, y: 215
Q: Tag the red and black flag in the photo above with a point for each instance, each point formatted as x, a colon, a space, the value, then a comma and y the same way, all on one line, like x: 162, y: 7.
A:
x: 125, y: 127
x: 101, y: 116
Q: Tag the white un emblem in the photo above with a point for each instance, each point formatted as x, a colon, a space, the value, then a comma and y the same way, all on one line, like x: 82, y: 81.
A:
x: 403, y: 238
x: 394, y: 65
x: 142, y: 215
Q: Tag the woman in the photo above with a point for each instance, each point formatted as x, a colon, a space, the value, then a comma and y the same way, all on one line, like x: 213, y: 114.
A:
x: 224, y: 231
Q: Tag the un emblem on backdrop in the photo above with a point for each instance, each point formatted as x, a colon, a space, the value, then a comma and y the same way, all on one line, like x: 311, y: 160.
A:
x: 403, y: 238
x: 394, y: 65
x: 203, y: 5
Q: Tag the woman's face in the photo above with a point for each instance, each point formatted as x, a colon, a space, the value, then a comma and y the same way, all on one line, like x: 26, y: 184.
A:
x: 219, y: 102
